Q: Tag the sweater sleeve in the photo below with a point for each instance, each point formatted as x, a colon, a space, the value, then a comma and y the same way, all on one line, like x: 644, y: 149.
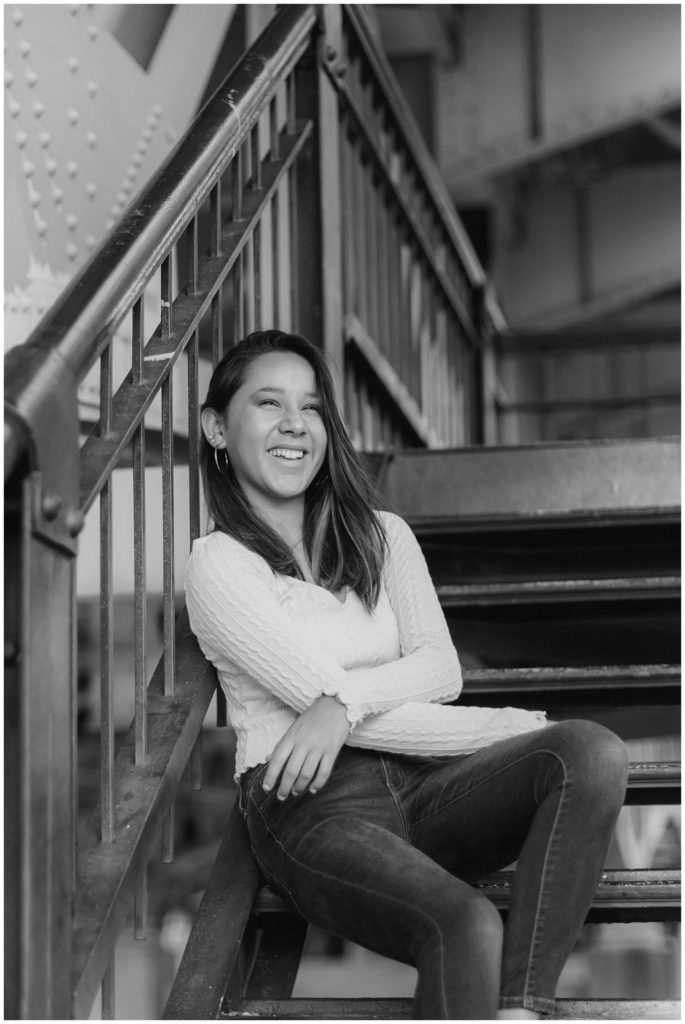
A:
x: 235, y: 615
x: 440, y: 730
x: 428, y: 670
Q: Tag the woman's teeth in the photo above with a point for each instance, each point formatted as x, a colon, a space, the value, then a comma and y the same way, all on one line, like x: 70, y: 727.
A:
x: 287, y: 453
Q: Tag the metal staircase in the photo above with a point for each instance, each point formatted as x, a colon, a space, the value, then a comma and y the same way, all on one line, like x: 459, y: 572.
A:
x: 571, y: 544
x: 301, y: 197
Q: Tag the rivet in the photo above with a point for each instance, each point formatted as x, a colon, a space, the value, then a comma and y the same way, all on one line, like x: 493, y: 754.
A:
x: 52, y: 504
x: 45, y: 138
x: 73, y: 116
x: 24, y: 47
x: 115, y: 209
x: 72, y: 221
x: 92, y: 88
x: 50, y: 166
x: 121, y: 198
x: 28, y: 168
x: 73, y: 64
x: 91, y: 241
x: 125, y: 188
x: 9, y: 78
x: 15, y: 108
x: 153, y: 120
x: 12, y: 650
x: 72, y: 169
x: 92, y: 139
x: 18, y: 17
x: 93, y: 31
x: 31, y: 78
x: 38, y: 109
x: 22, y: 138
x: 57, y: 194
x: 142, y: 148
x: 25, y: 306
x: 72, y: 251
x: 136, y: 160
x: 147, y: 134
x: 74, y: 9
x: 74, y: 521
x: 35, y: 198
x: 157, y: 111
x: 41, y: 227
x: 91, y: 190
x: 41, y: 306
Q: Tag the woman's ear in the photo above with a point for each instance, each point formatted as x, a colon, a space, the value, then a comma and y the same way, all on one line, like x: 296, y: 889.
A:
x: 213, y: 428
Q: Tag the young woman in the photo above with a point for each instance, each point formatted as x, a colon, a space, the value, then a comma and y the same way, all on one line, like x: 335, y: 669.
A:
x: 372, y: 804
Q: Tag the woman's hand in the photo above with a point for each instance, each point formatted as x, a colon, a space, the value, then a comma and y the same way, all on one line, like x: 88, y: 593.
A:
x: 306, y: 753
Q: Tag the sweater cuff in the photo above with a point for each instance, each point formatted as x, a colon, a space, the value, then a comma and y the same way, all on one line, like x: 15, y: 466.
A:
x: 354, y: 712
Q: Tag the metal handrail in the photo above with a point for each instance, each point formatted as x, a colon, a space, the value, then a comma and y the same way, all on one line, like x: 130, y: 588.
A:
x: 80, y: 324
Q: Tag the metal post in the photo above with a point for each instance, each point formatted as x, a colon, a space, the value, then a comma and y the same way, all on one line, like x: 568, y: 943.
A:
x: 317, y: 255
x: 42, y: 520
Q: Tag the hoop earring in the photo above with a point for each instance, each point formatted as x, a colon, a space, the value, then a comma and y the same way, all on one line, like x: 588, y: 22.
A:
x: 216, y: 460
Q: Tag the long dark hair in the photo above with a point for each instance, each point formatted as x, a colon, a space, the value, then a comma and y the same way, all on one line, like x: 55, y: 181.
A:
x: 343, y: 536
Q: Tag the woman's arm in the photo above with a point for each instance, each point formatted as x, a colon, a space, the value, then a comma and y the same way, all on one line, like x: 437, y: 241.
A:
x: 439, y: 730
x: 235, y: 615
x: 429, y: 669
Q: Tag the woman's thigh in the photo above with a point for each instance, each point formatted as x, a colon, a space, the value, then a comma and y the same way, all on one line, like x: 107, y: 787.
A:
x: 341, y: 858
x: 472, y: 815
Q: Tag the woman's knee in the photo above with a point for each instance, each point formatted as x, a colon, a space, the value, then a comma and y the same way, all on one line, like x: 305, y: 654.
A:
x: 470, y: 918
x: 593, y: 755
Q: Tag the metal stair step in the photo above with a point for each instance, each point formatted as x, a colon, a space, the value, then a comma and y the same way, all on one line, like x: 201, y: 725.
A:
x: 572, y: 688
x: 401, y: 1009
x: 621, y: 896
x: 544, y: 591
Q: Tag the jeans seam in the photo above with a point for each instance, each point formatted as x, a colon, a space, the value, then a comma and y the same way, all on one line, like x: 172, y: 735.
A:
x: 483, y: 782
x: 539, y: 917
x: 356, y: 888
x: 398, y: 805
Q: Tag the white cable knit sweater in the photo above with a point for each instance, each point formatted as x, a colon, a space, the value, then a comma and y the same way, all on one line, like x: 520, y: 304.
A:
x: 278, y: 643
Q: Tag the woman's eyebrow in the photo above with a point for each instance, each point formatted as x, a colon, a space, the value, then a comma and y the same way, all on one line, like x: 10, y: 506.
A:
x: 281, y: 391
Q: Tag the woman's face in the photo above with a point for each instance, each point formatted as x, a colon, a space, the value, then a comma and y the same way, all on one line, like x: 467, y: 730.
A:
x: 274, y: 432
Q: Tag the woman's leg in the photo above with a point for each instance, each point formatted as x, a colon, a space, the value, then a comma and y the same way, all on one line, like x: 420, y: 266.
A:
x: 548, y: 799
x: 341, y: 858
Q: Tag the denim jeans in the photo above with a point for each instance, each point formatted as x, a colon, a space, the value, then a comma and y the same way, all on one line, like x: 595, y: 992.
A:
x: 384, y: 853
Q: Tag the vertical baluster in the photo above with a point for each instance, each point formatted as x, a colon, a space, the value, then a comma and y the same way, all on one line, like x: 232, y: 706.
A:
x: 215, y: 246
x: 290, y: 99
x: 139, y: 588
x: 193, y: 351
x: 139, y: 598
x: 191, y: 267
x: 276, y: 257
x: 168, y: 534
x: 106, y: 618
x: 237, y: 273
x: 108, y: 1007
x: 274, y: 143
x: 140, y: 908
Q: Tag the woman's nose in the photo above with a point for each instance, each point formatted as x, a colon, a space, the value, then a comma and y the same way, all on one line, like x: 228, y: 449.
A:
x: 292, y: 422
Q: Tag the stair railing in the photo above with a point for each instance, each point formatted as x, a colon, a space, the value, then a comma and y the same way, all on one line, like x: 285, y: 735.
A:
x: 300, y: 197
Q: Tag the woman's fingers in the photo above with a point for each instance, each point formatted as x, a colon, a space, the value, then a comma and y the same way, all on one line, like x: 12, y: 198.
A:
x: 307, y: 771
x: 277, y: 762
x: 323, y: 774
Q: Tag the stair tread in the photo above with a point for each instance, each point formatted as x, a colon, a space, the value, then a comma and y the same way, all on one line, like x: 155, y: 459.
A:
x: 563, y: 677
x: 570, y: 589
x: 646, y: 887
x: 401, y: 1009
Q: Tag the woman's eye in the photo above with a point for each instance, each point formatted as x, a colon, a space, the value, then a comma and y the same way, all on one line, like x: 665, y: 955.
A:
x: 313, y: 408
x: 268, y: 401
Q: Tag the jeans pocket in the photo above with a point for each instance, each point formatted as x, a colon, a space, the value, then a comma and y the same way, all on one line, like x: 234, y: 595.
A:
x: 248, y: 781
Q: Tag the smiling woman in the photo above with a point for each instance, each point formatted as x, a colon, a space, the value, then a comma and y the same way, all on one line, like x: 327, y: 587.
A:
x: 371, y: 800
